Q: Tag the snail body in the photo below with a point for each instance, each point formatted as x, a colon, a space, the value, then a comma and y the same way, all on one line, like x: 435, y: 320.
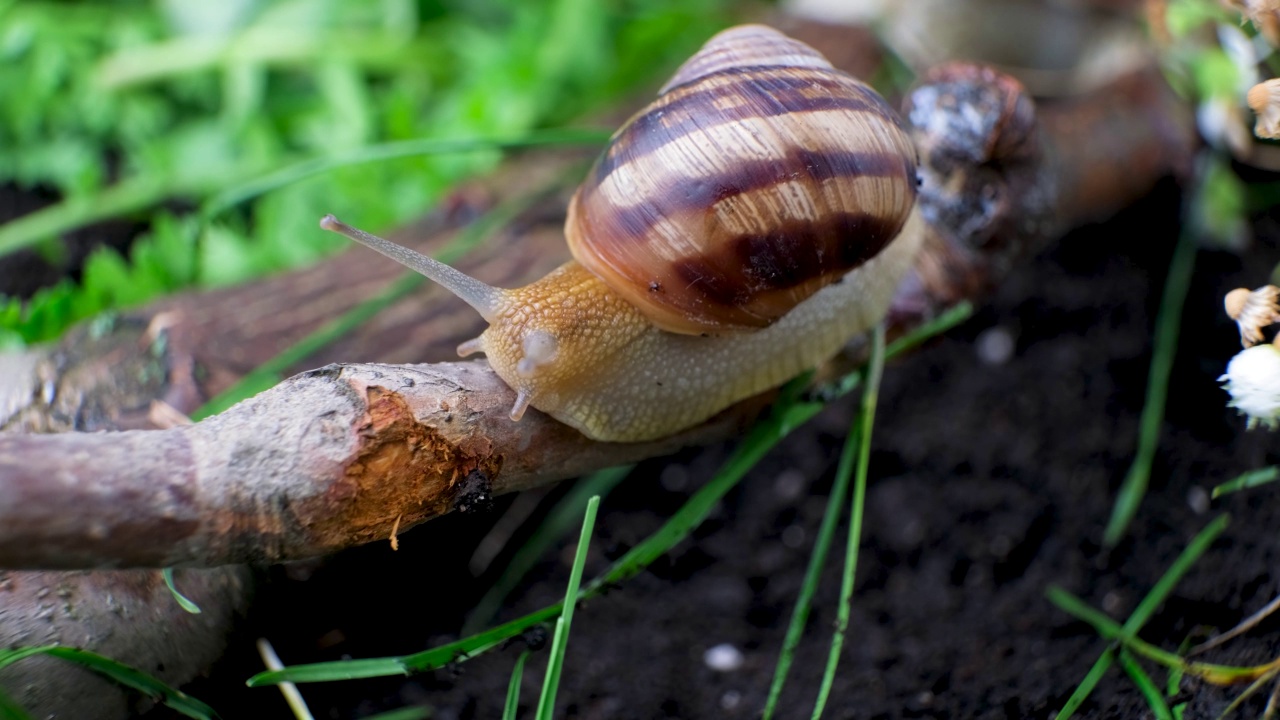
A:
x: 736, y: 232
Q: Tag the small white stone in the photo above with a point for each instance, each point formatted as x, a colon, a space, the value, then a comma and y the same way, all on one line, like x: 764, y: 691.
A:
x: 723, y: 658
x: 730, y: 700
x: 1198, y: 500
x: 994, y: 346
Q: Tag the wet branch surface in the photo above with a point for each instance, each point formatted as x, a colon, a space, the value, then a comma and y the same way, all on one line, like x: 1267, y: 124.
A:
x: 340, y: 456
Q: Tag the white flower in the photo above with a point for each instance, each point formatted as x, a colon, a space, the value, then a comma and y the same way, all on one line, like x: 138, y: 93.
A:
x: 1253, y: 380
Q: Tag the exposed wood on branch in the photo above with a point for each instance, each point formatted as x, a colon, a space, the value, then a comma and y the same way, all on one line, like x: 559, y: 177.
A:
x: 328, y: 459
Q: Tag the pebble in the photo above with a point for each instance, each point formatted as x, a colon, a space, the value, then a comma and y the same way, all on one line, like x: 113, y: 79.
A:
x: 994, y: 346
x: 723, y: 658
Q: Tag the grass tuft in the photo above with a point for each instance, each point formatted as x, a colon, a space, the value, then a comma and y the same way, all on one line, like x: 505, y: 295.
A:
x: 1127, y: 633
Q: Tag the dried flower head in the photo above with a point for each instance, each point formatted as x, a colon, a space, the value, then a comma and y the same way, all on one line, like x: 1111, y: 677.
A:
x: 1253, y: 381
x: 1264, y: 14
x: 1253, y: 310
x: 1264, y: 100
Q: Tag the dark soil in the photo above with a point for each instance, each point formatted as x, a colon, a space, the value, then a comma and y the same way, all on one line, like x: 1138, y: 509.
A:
x: 990, y: 482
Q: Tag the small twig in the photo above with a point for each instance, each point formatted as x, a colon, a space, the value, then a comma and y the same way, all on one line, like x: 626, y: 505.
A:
x: 290, y: 691
x: 1244, y: 626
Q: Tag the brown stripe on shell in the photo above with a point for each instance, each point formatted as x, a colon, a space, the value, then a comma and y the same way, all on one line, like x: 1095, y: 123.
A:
x: 757, y: 278
x: 737, y: 96
x: 798, y: 165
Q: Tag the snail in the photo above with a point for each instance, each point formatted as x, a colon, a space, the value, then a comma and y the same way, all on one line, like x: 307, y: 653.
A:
x: 734, y: 233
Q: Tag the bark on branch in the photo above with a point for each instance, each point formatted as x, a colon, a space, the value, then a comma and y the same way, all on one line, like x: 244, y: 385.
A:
x: 342, y: 455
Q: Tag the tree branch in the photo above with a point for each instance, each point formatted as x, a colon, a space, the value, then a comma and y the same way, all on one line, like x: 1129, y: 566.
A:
x: 342, y: 455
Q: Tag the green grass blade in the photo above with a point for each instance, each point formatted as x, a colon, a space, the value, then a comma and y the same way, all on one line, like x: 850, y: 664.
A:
x: 927, y: 331
x: 1168, y: 322
x: 269, y: 373
x: 183, y: 601
x: 1250, y: 479
x: 122, y: 674
x: 1194, y: 550
x: 392, y: 151
x: 547, y: 701
x: 9, y: 657
x: 861, y: 433
x: 1128, y: 632
x: 790, y: 409
x: 358, y: 669
x: 553, y: 527
x: 1151, y: 693
x: 125, y: 197
x: 513, y: 688
x: 1086, y: 686
x: 1173, y: 684
x: 812, y: 574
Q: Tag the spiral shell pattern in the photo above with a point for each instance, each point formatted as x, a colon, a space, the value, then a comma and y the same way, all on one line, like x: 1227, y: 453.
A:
x: 760, y: 175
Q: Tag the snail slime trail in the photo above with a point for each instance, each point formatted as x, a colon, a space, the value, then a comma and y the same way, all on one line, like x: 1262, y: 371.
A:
x: 736, y: 232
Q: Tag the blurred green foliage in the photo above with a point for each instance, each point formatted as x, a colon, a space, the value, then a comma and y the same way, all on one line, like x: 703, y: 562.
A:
x: 143, y: 109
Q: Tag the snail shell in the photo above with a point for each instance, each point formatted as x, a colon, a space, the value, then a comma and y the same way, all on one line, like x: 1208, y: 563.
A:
x: 759, y: 176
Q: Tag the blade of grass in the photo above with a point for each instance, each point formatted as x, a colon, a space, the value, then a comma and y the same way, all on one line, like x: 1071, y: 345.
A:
x: 269, y: 373
x: 381, y: 152
x: 123, y: 198
x: 512, y: 705
x: 1145, y: 685
x: 121, y: 674
x: 1086, y: 686
x: 817, y: 559
x: 553, y: 527
x: 1128, y: 632
x: 183, y: 601
x: 862, y: 433
x: 1194, y: 550
x: 812, y: 574
x: 1165, y: 348
x: 790, y: 409
x: 547, y: 701
x: 1173, y: 683
x: 1250, y: 479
